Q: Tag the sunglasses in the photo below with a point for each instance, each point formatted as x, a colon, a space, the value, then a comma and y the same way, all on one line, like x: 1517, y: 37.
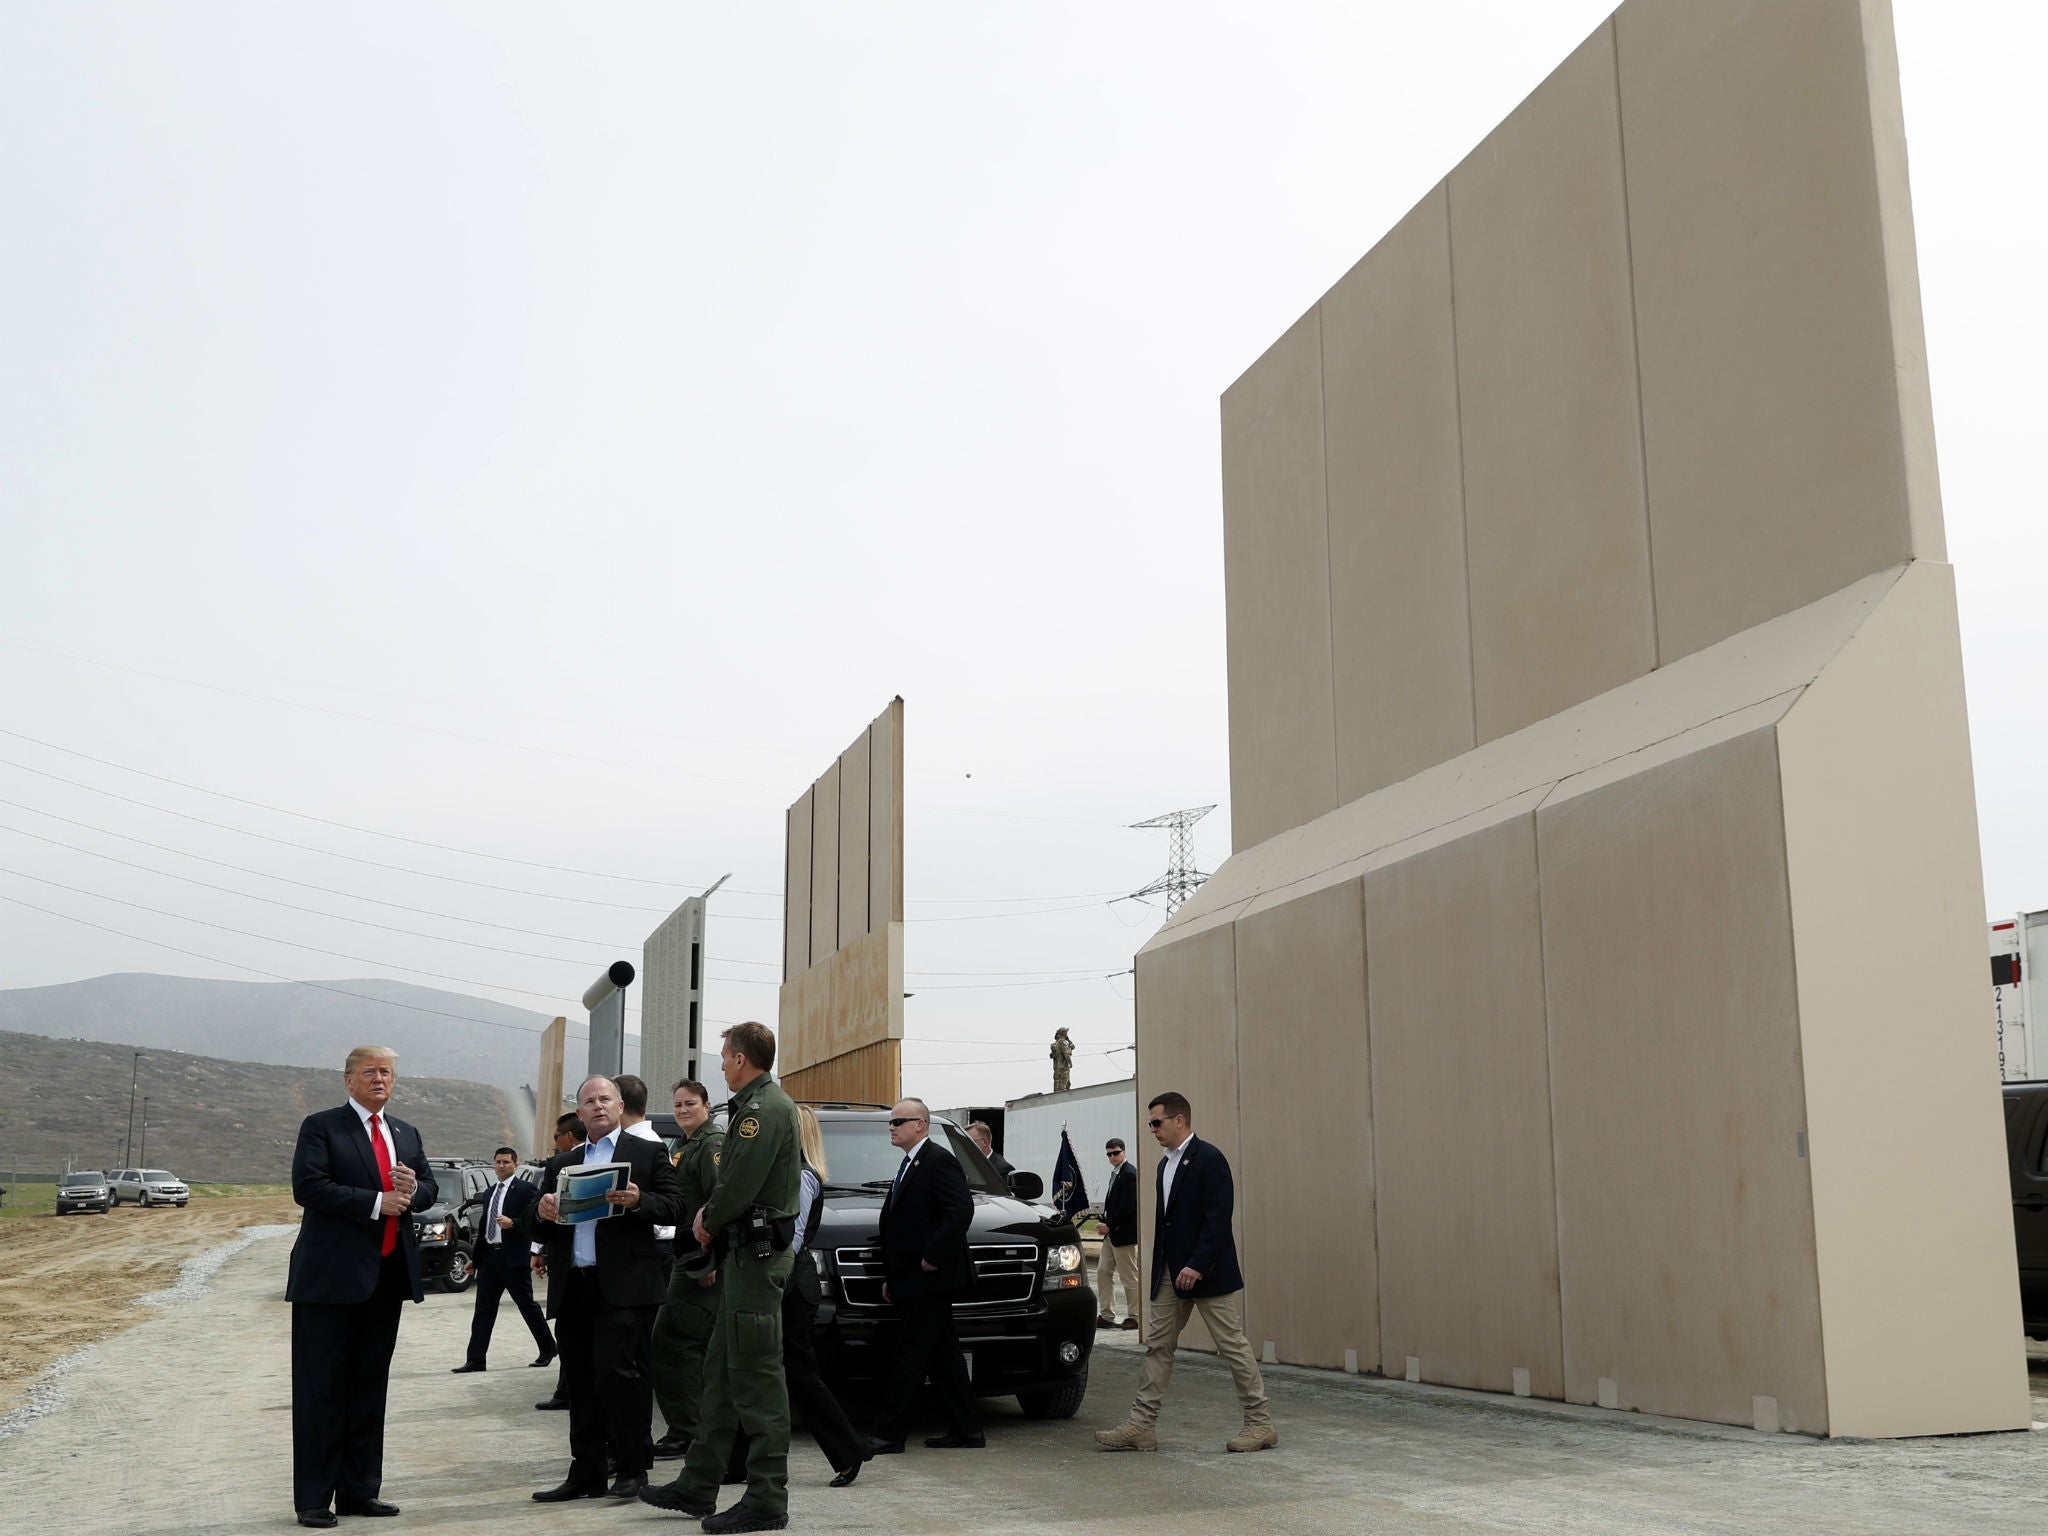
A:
x: 906, y: 1120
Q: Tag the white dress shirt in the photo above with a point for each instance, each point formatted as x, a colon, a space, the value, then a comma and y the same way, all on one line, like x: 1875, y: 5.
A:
x: 646, y: 1132
x: 583, y: 1248
x: 494, y: 1209
x: 1172, y: 1167
x: 381, y: 1132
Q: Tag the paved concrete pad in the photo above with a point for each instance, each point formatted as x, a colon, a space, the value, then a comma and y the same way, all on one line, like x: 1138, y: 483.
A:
x: 181, y: 1426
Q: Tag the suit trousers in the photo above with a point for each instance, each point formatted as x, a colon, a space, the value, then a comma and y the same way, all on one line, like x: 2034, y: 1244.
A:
x: 611, y: 1401
x: 1120, y: 1264
x: 1223, y: 1316
x: 926, y: 1344
x: 501, y: 1269
x: 341, y: 1368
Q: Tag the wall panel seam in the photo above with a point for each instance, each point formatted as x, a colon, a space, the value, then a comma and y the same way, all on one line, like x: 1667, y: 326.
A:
x: 1329, y: 560
x: 1635, y: 347
x: 1550, y: 1094
x: 1372, y: 1134
x: 1820, y: 1316
x: 1464, y: 513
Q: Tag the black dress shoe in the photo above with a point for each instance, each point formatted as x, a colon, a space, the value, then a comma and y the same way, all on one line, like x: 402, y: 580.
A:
x: 669, y: 1496
x: 626, y: 1485
x: 551, y: 1403
x: 547, y: 1358
x: 364, y: 1507
x: 845, y: 1479
x: 318, y: 1519
x: 885, y: 1447
x: 466, y: 1367
x: 669, y: 1447
x: 569, y: 1490
x: 952, y: 1442
x: 741, y: 1518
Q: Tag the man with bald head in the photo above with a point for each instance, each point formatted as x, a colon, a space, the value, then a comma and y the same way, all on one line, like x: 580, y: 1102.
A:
x: 924, y: 1257
x: 604, y: 1287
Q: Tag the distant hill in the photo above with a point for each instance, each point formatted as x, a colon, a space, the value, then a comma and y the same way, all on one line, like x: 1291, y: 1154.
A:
x: 293, y: 1024
x: 209, y: 1119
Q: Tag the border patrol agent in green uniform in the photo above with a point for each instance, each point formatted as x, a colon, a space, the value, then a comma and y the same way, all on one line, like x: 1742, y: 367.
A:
x: 751, y: 1216
x: 683, y: 1328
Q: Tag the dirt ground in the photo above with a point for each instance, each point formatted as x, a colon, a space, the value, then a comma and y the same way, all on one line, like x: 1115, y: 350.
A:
x: 67, y: 1281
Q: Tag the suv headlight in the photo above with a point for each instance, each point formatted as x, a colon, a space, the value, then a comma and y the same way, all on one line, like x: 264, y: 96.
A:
x: 433, y: 1231
x: 1063, y: 1260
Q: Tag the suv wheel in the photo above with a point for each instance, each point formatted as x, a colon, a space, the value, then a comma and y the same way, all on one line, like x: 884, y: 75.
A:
x: 1060, y: 1402
x: 461, y: 1271
x: 142, y: 1199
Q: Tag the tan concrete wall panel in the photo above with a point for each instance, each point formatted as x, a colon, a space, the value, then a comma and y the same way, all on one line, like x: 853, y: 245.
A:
x: 1309, y: 1253
x: 853, y: 840
x: 1556, y: 534
x: 1283, y: 756
x: 1764, y: 306
x: 1402, y: 658
x: 1461, y: 1115
x: 1913, y: 1221
x: 885, y: 817
x: 825, y: 864
x: 796, y: 888
x: 547, y: 1094
x: 1187, y: 1042
x: 1685, y: 1212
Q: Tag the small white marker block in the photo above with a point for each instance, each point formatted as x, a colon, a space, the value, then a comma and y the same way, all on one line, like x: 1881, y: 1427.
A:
x: 1351, y: 1362
x: 1610, y: 1392
x: 1272, y: 1355
x: 1414, y: 1368
x: 1788, y: 1421
x: 1521, y: 1381
x: 1763, y: 1413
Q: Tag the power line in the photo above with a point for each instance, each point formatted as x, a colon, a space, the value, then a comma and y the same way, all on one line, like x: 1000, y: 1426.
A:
x: 243, y: 869
x: 396, y: 837
x: 265, y: 938
x: 256, y: 970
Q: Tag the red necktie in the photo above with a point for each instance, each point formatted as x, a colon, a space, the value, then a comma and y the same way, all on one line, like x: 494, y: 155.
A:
x: 384, y: 1173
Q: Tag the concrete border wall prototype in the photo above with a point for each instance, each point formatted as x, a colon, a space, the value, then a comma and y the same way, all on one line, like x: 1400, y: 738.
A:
x: 840, y: 1010
x: 1592, y: 1003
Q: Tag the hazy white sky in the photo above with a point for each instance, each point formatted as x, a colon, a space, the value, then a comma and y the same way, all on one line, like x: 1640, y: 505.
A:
x: 553, y: 432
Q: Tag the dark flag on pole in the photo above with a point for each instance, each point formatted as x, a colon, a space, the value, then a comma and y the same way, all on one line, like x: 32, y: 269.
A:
x: 1069, y: 1189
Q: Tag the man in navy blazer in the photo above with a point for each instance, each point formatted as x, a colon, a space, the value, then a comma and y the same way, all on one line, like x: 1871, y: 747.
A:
x: 1194, y: 1269
x: 358, y: 1174
x: 502, y: 1266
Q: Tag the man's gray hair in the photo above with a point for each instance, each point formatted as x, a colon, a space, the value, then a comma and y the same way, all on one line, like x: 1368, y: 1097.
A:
x: 980, y: 1128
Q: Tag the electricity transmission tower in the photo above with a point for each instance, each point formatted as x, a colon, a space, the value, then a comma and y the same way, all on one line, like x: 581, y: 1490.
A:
x: 1181, y: 877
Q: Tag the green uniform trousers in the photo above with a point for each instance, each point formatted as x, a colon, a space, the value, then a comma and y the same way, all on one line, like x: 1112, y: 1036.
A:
x: 682, y: 1336
x: 744, y: 1387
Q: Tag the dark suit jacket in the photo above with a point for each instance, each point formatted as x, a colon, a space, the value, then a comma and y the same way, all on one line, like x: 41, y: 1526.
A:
x: 1120, y: 1206
x: 926, y: 1219
x: 1193, y: 1232
x: 628, y: 1265
x: 519, y: 1195
x: 337, y: 1257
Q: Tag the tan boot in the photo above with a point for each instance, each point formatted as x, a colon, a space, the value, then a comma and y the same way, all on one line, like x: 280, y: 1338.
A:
x: 1127, y: 1436
x: 1253, y: 1437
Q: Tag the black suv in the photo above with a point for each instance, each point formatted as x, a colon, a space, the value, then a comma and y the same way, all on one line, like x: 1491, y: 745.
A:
x: 1027, y: 1321
x: 447, y: 1229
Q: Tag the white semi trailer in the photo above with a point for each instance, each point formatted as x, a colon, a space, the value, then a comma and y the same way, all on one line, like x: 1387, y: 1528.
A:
x: 2019, y: 995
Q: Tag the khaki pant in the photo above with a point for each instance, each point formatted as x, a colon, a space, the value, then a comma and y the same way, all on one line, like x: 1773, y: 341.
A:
x: 1118, y: 1264
x: 1223, y: 1316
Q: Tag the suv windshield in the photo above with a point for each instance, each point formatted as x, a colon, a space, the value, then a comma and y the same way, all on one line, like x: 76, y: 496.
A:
x: 160, y: 1176
x: 860, y: 1152
x: 82, y: 1180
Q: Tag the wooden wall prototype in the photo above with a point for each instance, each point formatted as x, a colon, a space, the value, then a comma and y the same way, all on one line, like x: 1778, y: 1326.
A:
x: 547, y: 1092
x: 840, y: 1010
